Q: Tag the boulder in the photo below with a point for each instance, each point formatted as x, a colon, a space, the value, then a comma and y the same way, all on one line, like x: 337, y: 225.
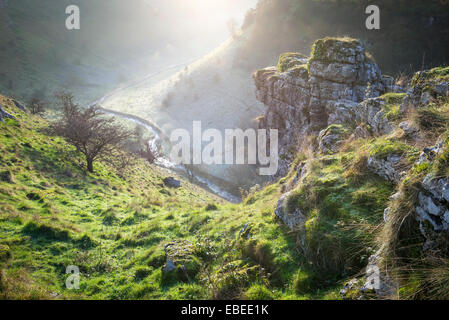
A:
x: 386, y: 168
x: 172, y: 182
x: 181, y: 262
x: 294, y: 220
x: 331, y: 138
x: 4, y: 114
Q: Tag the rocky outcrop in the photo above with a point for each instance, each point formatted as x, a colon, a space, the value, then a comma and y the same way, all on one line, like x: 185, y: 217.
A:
x: 294, y: 220
x: 371, y: 112
x: 172, y: 182
x: 307, y: 95
x: 4, y: 114
x: 426, y: 85
x: 432, y: 211
x: 388, y: 168
x: 331, y: 138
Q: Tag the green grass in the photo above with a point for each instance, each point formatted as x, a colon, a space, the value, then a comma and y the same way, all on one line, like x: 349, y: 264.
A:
x: 341, y: 215
x: 53, y: 214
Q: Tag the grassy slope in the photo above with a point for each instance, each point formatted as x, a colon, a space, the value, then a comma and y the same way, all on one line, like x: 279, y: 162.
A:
x: 53, y: 214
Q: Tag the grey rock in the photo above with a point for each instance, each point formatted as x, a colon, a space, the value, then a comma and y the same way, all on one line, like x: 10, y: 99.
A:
x: 303, y: 101
x: 351, y: 285
x: 376, y: 280
x: 294, y: 220
x: 361, y: 132
x: 428, y: 205
x: 386, y: 212
x: 19, y: 105
x: 386, y: 168
x: 5, y: 115
x: 370, y: 111
x: 169, y: 267
x: 429, y: 154
x: 408, y: 128
x: 172, y: 182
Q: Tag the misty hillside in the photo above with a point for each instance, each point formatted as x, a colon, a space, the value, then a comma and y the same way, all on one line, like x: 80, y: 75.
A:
x: 218, y: 91
x: 118, y: 42
x: 212, y: 90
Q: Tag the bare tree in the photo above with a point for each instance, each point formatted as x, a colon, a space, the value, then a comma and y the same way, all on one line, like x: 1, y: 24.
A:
x: 149, y: 154
x: 93, y: 134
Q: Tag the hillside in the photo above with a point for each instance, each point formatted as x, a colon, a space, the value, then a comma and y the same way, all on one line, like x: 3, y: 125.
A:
x: 118, y: 43
x: 306, y: 235
x: 54, y: 214
x: 366, y: 179
x: 359, y: 206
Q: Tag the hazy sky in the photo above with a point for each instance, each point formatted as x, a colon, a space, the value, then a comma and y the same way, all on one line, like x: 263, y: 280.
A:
x: 198, y: 23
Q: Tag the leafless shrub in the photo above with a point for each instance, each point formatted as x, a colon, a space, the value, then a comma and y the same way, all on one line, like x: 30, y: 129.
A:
x: 92, y: 133
x: 149, y: 154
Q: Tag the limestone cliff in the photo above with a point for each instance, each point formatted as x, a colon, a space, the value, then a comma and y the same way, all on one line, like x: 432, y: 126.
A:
x: 358, y: 126
x: 305, y: 95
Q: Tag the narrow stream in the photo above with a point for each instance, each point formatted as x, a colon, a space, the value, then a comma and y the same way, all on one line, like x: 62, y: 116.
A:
x: 161, y: 143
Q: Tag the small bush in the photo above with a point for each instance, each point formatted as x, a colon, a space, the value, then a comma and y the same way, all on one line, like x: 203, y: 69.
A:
x: 6, y: 176
x: 211, y: 207
x: 109, y: 218
x: 34, y: 196
x: 86, y: 242
x: 304, y: 283
x: 258, y: 292
x: 260, y: 252
x: 5, y: 252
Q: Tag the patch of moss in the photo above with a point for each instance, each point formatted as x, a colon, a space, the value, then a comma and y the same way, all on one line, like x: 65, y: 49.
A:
x: 290, y: 60
x: 321, y: 46
x: 381, y: 148
x: 393, y: 98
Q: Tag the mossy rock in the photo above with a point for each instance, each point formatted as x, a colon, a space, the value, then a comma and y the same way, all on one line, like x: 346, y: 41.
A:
x: 392, y: 105
x: 382, y: 148
x: 290, y: 60
x: 393, y: 98
x: 337, y: 129
x: 424, y: 78
x: 335, y: 49
x: 181, y: 262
